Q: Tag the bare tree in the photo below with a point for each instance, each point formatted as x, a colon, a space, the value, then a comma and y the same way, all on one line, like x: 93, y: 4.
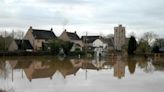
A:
x: 110, y: 36
x: 18, y: 34
x: 149, y: 37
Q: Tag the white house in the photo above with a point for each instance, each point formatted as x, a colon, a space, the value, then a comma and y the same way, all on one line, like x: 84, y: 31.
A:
x: 98, y: 43
x: 99, y: 47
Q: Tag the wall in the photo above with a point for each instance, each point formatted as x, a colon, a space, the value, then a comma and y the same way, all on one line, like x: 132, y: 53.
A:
x: 13, y: 46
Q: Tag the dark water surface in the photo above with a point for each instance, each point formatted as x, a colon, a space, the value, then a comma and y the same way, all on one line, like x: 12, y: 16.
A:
x: 53, y: 74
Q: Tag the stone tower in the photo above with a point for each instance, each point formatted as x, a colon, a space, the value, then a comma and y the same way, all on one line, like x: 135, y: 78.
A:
x: 119, y: 37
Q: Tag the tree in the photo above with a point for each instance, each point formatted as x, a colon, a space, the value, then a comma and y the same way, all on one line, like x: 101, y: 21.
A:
x: 143, y: 47
x: 132, y: 45
x: 149, y: 37
x: 109, y: 36
x: 18, y: 34
x: 156, y: 49
x: 66, y: 46
x: 57, y: 44
x: 5, y: 42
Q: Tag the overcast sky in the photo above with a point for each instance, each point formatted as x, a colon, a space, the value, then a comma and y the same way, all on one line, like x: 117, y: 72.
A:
x: 92, y: 16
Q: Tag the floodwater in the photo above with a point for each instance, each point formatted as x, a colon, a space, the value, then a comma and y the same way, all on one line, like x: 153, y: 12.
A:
x: 56, y: 74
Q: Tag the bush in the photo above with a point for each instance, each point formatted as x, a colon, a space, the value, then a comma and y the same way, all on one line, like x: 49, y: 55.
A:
x: 77, y: 53
x: 57, y: 44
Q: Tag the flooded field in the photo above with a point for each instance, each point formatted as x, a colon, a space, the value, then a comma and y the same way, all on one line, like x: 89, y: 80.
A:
x: 56, y: 74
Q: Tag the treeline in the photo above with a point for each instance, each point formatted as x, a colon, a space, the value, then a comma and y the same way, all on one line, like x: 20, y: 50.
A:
x: 145, y: 45
x: 7, y: 37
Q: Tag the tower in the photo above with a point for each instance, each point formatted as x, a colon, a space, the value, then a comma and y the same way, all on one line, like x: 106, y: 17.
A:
x: 119, y: 37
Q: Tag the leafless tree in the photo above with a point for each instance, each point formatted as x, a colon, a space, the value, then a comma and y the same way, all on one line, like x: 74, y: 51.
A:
x: 149, y: 37
x: 18, y: 34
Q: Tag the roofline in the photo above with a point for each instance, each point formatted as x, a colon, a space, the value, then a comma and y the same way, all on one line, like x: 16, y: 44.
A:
x: 42, y: 30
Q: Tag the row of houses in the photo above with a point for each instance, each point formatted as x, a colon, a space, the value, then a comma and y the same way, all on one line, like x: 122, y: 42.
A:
x: 36, y: 39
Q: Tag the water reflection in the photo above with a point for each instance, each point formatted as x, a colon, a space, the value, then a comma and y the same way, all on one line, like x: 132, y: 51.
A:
x: 46, y: 68
x: 132, y: 65
x: 119, y: 68
x: 149, y: 68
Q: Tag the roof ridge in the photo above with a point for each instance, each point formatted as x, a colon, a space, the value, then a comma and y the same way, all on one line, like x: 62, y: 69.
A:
x: 71, y: 32
x: 41, y: 30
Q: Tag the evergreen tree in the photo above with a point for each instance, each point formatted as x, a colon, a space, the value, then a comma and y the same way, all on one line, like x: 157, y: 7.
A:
x: 132, y: 45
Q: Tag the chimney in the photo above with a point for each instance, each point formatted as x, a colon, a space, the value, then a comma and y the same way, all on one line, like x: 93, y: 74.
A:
x: 30, y: 28
x: 75, y: 32
x: 65, y: 30
x: 51, y: 29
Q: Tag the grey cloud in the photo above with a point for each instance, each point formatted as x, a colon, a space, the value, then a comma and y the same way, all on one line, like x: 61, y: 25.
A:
x: 144, y: 14
x: 64, y: 1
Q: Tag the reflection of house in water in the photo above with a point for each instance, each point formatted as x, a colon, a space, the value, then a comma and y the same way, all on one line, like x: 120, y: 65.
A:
x: 69, y: 68
x: 108, y: 64
x: 119, y: 68
x: 76, y: 63
x: 39, y: 69
x: 19, y: 64
x: 89, y: 65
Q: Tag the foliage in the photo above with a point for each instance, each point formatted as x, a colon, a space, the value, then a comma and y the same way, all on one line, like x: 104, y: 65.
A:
x: 109, y: 36
x: 146, y: 42
x: 57, y: 44
x: 5, y: 42
x: 155, y: 49
x: 66, y: 46
x: 76, y: 53
x: 132, y: 45
x: 143, y: 47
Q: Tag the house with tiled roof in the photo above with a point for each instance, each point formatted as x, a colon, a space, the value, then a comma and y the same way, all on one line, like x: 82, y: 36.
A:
x: 89, y: 39
x: 67, y: 68
x: 72, y: 37
x: 38, y: 37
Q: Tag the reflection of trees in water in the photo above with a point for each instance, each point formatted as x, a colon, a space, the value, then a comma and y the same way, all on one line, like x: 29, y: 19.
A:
x: 5, y: 70
x: 149, y: 68
x: 132, y: 65
x: 2, y: 68
x: 142, y: 62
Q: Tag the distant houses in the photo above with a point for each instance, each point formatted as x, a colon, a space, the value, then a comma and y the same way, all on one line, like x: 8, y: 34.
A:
x: 38, y: 39
x: 88, y: 41
x: 98, y: 43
